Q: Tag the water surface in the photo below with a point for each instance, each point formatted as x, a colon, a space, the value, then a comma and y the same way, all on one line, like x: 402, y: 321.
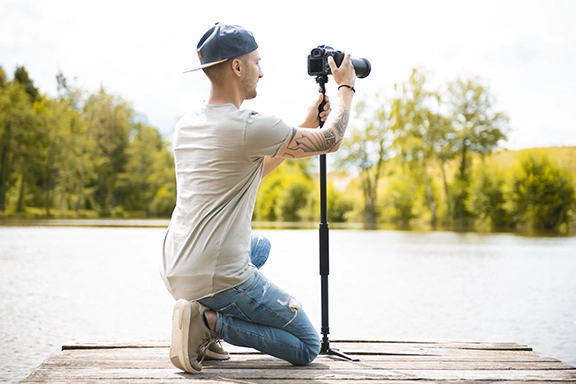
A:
x: 61, y: 283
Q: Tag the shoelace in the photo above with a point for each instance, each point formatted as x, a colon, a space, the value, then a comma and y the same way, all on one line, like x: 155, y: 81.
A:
x: 205, y: 344
x: 219, y: 343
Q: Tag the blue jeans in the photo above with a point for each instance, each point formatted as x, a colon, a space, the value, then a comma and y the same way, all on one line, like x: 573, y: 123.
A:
x: 260, y: 315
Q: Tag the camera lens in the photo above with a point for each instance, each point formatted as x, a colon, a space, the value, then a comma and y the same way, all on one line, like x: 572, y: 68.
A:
x: 362, y: 67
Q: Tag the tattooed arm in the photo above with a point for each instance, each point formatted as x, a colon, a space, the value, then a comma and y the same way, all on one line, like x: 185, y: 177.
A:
x: 305, y: 142
x: 311, y: 120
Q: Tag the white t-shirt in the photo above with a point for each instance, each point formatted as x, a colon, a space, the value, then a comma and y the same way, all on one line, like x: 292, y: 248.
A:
x: 219, y: 155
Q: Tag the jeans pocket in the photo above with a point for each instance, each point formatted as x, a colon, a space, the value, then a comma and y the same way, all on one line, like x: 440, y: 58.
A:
x: 233, y: 310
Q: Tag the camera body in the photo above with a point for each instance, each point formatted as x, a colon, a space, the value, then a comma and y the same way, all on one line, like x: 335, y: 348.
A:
x: 318, y: 62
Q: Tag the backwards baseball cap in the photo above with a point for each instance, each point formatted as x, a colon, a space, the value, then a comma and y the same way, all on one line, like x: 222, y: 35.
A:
x: 223, y: 42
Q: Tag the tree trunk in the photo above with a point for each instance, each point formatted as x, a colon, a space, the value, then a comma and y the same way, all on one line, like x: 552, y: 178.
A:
x: 460, y: 198
x: 446, y: 190
x: 47, y: 195
x: 80, y: 190
x: 434, y: 218
x: 20, y: 205
x: 369, y: 201
x: 4, y: 173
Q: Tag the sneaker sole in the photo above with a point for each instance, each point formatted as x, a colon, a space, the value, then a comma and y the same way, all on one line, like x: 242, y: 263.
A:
x: 180, y: 334
x: 211, y: 355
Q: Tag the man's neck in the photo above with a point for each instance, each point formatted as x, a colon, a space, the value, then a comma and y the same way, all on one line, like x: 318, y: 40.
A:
x: 225, y: 96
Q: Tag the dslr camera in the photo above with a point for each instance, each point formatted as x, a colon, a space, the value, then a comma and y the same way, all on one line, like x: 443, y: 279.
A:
x: 318, y: 62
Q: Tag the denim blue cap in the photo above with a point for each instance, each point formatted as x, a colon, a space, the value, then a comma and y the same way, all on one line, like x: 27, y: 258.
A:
x: 223, y: 42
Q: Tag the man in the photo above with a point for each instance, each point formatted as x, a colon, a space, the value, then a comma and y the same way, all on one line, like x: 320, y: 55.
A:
x: 211, y: 258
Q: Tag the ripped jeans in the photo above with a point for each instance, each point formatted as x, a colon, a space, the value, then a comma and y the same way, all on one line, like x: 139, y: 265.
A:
x: 260, y: 315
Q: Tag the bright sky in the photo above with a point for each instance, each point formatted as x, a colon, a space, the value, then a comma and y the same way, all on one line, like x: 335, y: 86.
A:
x: 138, y: 49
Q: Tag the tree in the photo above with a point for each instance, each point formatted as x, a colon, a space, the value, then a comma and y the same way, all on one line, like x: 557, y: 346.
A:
x: 17, y: 139
x: 3, y: 78
x: 49, y: 114
x: 22, y: 77
x: 420, y: 133
x: 78, y: 153
x: 284, y: 193
x: 543, y: 194
x: 108, y: 118
x: 149, y: 168
x: 366, y: 148
x: 78, y: 166
x: 488, y: 198
x: 478, y: 128
x: 399, y: 199
x: 338, y: 204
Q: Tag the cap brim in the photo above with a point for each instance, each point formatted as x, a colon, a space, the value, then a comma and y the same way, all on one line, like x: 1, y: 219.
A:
x: 206, y: 65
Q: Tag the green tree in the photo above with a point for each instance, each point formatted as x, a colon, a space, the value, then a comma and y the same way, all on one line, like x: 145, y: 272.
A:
x: 164, y: 199
x: 78, y: 167
x: 338, y: 204
x: 420, y: 133
x: 366, y: 148
x: 147, y: 170
x: 399, y: 198
x: 78, y: 153
x: 294, y: 196
x: 285, y: 193
x: 3, y: 78
x: 18, y: 141
x: 49, y: 114
x: 478, y: 128
x: 543, y: 194
x: 22, y: 77
x: 109, y: 126
x: 488, y: 198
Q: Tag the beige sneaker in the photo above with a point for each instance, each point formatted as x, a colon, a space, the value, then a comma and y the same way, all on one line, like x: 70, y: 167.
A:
x: 179, y: 347
x: 201, y: 337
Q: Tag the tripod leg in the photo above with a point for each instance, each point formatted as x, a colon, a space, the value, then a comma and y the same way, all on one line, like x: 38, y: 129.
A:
x: 337, y: 352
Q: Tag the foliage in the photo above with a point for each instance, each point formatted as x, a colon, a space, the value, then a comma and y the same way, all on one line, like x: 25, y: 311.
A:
x: 488, y: 198
x: 365, y: 150
x: 478, y: 128
x: 78, y: 153
x: 447, y: 139
x: 285, y: 193
x: 399, y: 200
x: 421, y: 134
x: 425, y: 157
x: 543, y: 194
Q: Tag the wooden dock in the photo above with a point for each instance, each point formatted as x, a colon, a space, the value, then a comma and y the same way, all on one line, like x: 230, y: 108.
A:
x: 380, y: 361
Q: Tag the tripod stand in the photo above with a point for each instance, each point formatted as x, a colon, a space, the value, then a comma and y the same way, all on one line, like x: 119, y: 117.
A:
x: 324, y: 254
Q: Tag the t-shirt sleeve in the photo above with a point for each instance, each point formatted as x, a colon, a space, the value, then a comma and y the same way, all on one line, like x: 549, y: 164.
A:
x: 264, y: 135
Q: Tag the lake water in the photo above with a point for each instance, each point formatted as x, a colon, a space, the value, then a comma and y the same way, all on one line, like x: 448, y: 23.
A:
x: 63, y: 283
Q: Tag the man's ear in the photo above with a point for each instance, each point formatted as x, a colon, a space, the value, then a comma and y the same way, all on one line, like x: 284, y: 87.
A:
x: 237, y: 66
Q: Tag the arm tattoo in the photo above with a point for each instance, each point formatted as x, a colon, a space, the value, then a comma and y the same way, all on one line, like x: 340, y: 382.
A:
x: 314, y: 141
x: 342, y: 122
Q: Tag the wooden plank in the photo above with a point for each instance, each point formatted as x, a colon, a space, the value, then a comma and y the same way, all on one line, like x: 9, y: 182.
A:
x: 362, y: 345
x: 157, y: 357
x: 161, y: 353
x: 304, y: 374
x: 361, y: 348
x: 401, y: 362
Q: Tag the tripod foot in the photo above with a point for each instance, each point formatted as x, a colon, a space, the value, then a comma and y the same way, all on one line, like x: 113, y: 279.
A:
x: 337, y: 352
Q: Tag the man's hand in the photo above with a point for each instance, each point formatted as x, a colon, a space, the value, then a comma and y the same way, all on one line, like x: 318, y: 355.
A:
x: 312, y: 120
x: 344, y: 74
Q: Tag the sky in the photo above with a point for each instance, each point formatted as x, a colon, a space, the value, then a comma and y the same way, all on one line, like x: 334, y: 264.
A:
x: 524, y: 49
